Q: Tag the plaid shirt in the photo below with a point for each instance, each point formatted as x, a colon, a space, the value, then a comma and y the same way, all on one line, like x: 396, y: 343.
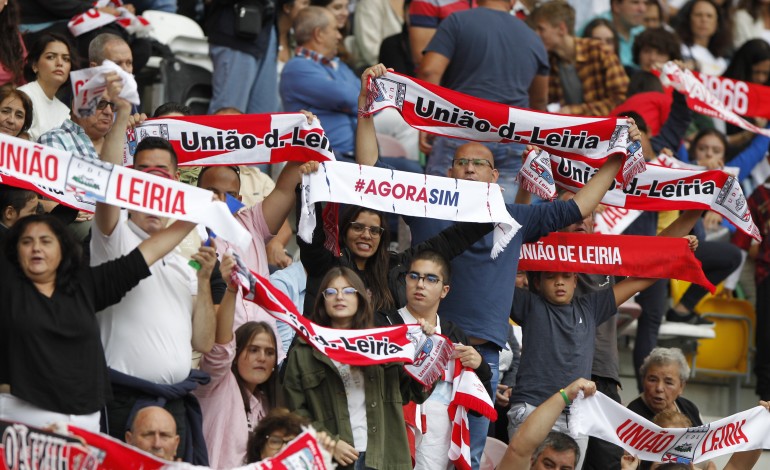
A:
x: 70, y: 137
x: 316, y: 57
x: 759, y: 205
x: 604, y: 79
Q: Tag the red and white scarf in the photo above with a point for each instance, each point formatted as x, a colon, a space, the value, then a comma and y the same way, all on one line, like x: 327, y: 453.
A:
x: 89, y: 84
x: 94, y: 19
x: 441, y: 111
x: 425, y: 356
x: 246, y: 139
x: 406, y: 193
x: 468, y: 393
x: 619, y: 255
x: 600, y: 416
x: 77, y: 179
x: 657, y: 189
x: 742, y: 98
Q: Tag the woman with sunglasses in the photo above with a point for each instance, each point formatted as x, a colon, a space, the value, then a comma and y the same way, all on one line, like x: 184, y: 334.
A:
x: 363, y: 247
x: 360, y: 406
x: 48, y: 68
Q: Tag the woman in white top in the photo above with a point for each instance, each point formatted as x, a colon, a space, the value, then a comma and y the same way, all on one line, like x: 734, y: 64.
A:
x: 752, y: 21
x: 47, y: 69
x: 705, y: 36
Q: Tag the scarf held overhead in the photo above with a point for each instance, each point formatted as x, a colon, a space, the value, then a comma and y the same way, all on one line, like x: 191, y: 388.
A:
x: 619, y: 255
x: 742, y: 98
x: 94, y: 19
x: 245, y: 139
x: 600, y: 416
x: 408, y: 194
x: 425, y: 356
x: 87, y: 178
x: 441, y: 111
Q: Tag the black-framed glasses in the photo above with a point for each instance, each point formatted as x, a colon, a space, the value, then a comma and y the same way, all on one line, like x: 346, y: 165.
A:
x: 104, y: 103
x: 464, y: 162
x: 276, y: 442
x: 332, y: 292
x: 358, y: 228
x: 429, y: 279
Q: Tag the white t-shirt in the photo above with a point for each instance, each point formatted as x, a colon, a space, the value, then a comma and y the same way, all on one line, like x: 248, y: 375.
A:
x: 148, y: 333
x: 442, y: 392
x: 46, y: 114
x: 353, y: 380
x: 705, y: 60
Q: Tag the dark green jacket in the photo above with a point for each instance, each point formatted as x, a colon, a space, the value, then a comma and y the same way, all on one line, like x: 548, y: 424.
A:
x: 314, y: 389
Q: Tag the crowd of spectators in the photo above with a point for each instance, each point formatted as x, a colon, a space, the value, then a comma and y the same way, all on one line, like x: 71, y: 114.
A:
x: 108, y: 327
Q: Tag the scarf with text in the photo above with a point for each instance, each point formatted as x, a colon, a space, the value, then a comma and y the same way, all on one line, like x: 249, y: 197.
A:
x: 618, y: 255
x: 94, y: 19
x: 600, y: 416
x: 468, y: 393
x: 425, y: 356
x: 742, y: 98
x: 657, y: 189
x: 245, y: 139
x: 701, y: 100
x: 406, y: 193
x: 84, y: 178
x: 89, y: 84
x: 441, y: 111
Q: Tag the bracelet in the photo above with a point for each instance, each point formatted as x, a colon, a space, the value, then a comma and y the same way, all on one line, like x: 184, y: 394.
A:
x: 363, y: 113
x: 566, y: 398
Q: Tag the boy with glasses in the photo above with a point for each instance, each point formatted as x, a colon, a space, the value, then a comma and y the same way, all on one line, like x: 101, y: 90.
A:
x: 427, y: 282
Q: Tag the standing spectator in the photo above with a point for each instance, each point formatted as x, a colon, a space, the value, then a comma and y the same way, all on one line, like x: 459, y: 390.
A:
x: 12, y: 49
x: 425, y: 17
x: 374, y: 21
x: 627, y: 17
x: 47, y: 69
x: 586, y: 77
x: 486, y: 53
x: 705, y: 36
x: 751, y: 22
x: 243, y: 47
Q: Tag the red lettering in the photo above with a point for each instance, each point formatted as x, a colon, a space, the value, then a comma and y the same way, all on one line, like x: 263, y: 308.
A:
x: 51, y: 168
x: 703, y: 448
x: 134, y: 190
x: 34, y: 165
x: 410, y: 190
x: 422, y: 196
x: 156, y: 196
x: 398, y: 191
x: 665, y: 442
x: 118, y: 189
x: 739, y: 436
x: 384, y: 188
x: 178, y: 206
x: 620, y: 428
x: 93, y: 13
x: 371, y: 188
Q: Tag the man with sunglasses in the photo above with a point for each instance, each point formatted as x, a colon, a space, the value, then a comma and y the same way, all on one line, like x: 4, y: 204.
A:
x: 427, y: 283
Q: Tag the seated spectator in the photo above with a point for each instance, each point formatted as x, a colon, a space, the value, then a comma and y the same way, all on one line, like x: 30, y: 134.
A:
x: 15, y: 203
x: 374, y: 21
x: 54, y: 371
x: 340, y: 9
x: 153, y: 430
x: 603, y: 30
x: 535, y: 446
x: 655, y: 46
x: 273, y: 432
x: 655, y: 16
x: 241, y: 366
x: 107, y: 46
x: 586, y: 77
x: 47, y: 69
x: 15, y: 111
x: 12, y: 49
x: 705, y: 36
x: 627, y: 18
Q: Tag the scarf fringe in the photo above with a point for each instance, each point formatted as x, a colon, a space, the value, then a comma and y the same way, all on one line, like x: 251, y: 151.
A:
x: 502, y: 241
x: 436, y: 370
x: 473, y: 403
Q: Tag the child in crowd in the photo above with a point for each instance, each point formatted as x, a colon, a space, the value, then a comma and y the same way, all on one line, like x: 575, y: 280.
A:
x: 360, y: 406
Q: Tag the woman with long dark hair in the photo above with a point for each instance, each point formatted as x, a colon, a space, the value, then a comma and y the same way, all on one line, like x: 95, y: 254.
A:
x: 705, y: 34
x: 47, y: 69
x: 12, y: 50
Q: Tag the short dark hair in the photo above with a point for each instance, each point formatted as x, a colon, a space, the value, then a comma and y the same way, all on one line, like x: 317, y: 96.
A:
x: 16, y: 198
x: 171, y: 107
x: 279, y: 419
x: 37, y: 49
x: 10, y: 90
x: 707, y: 132
x: 638, y: 119
x: 748, y: 55
x: 439, y: 259
x: 555, y: 12
x: 71, y: 251
x: 659, y: 39
x: 642, y: 82
x: 559, y: 442
x: 156, y: 143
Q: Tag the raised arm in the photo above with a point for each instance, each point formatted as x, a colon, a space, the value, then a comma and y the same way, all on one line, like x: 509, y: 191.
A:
x: 204, y: 316
x: 367, y: 151
x: 626, y: 288
x: 537, y: 426
x: 226, y: 313
x: 161, y: 243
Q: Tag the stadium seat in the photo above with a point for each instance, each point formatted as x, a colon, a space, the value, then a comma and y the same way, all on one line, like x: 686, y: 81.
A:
x: 187, y: 84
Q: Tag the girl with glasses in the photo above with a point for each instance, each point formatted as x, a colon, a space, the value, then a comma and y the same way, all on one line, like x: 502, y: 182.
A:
x: 361, y: 406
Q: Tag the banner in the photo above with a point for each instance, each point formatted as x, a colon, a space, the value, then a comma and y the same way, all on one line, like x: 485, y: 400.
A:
x: 618, y: 255
x: 441, y: 111
x: 89, y: 84
x: 89, y: 21
x: 245, y: 139
x: 408, y: 194
x: 742, y: 98
x: 600, y: 416
x: 425, y: 356
x: 701, y: 100
x: 118, y: 186
x: 94, y: 19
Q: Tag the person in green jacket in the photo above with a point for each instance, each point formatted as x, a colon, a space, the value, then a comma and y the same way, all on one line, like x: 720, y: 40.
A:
x: 360, y: 407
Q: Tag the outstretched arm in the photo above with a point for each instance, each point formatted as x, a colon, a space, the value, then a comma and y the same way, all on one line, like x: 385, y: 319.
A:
x: 160, y: 243
x: 537, y: 426
x: 626, y: 288
x: 367, y: 151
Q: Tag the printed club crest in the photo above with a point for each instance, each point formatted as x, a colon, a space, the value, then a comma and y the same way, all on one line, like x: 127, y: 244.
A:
x: 388, y: 90
x: 685, y: 446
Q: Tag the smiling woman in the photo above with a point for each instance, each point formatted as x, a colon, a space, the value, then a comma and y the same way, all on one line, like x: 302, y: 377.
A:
x: 15, y: 111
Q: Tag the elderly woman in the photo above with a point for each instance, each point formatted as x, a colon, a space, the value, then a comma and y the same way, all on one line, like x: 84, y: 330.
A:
x: 15, y: 111
x: 52, y: 366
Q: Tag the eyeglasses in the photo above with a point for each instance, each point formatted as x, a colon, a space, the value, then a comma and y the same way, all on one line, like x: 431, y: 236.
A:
x: 276, y: 442
x: 103, y: 104
x: 358, y: 228
x: 332, y: 292
x: 429, y: 279
x: 463, y: 162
